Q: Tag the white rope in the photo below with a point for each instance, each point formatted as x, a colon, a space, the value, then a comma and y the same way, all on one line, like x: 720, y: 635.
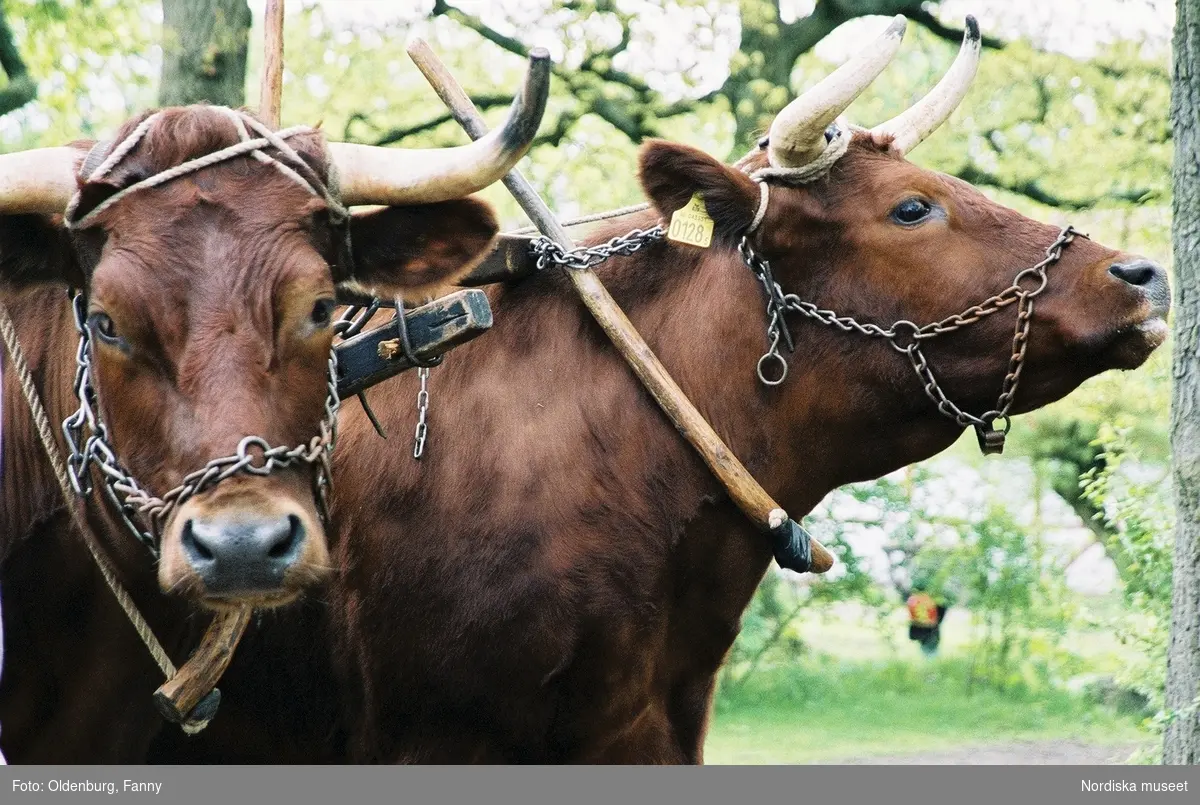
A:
x: 588, y: 219
x: 248, y: 145
x: 834, y: 150
x: 764, y: 196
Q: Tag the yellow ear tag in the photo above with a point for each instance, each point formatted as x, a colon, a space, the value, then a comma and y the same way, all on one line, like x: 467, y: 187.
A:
x: 691, y: 224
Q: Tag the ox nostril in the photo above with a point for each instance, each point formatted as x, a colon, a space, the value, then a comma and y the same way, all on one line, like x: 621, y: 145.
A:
x: 193, y: 545
x: 243, y: 554
x: 1139, y: 272
x: 287, y: 538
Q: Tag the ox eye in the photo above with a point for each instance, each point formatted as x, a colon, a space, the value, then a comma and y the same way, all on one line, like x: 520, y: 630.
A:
x: 911, y: 211
x: 322, y: 312
x: 103, y: 326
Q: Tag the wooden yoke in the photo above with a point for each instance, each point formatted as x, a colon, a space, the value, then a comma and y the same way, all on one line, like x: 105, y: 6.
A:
x: 792, y: 546
x: 190, y: 697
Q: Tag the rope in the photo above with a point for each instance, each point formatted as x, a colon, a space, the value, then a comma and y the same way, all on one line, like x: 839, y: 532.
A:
x: 248, y: 145
x: 8, y: 332
x: 835, y: 149
x: 764, y: 197
x: 587, y: 219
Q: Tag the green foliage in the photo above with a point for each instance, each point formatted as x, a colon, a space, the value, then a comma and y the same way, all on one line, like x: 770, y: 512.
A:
x: 1068, y: 134
x: 770, y: 634
x: 820, y: 709
x: 1004, y: 575
x: 95, y: 62
x: 1135, y: 502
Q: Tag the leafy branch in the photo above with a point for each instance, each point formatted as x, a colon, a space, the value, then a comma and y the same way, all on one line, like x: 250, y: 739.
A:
x: 767, y: 56
x: 1032, y: 189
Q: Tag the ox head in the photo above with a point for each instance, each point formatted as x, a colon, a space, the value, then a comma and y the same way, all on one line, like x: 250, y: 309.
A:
x: 210, y: 302
x: 853, y: 227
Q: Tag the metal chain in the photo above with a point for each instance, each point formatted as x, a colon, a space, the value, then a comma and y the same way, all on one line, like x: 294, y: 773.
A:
x: 41, y: 420
x: 88, y: 442
x: 904, y: 336
x: 87, y: 435
x: 422, y: 414
x: 550, y: 253
x: 907, y: 337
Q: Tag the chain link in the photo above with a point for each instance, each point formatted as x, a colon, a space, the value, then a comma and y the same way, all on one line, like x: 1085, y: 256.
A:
x: 550, y: 253
x: 907, y: 337
x: 422, y: 413
x: 89, y: 447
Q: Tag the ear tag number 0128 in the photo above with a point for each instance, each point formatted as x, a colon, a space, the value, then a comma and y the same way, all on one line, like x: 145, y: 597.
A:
x: 691, y: 224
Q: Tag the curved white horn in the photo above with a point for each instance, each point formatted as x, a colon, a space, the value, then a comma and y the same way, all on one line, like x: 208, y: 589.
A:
x: 797, y: 134
x: 911, y: 127
x: 38, y: 181
x: 372, y: 174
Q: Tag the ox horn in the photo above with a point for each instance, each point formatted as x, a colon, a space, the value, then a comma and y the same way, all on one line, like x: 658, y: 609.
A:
x: 912, y: 126
x: 797, y: 134
x: 38, y: 181
x: 375, y: 175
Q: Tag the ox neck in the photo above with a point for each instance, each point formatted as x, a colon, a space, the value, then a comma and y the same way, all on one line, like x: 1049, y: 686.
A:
x: 30, y: 493
x: 826, y: 425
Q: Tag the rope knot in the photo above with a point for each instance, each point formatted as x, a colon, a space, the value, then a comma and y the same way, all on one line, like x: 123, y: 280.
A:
x: 835, y: 149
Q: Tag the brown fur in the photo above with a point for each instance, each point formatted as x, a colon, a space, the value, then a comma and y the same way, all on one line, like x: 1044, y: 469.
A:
x: 560, y: 578
x: 211, y: 281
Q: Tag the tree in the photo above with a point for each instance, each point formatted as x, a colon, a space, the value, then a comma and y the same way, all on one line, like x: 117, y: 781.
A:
x: 21, y: 89
x: 759, y: 74
x: 604, y: 74
x: 1181, y: 744
x: 205, y: 44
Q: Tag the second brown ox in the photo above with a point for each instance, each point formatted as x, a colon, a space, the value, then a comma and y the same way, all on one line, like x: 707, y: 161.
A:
x: 569, y: 576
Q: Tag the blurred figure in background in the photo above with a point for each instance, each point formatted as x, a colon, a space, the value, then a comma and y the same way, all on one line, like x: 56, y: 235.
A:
x: 925, y: 614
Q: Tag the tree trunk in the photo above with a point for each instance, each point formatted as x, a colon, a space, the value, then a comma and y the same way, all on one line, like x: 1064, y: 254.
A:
x: 1181, y: 743
x: 204, y: 52
x: 20, y: 89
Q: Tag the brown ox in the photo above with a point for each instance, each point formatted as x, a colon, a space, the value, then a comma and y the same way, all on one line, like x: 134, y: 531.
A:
x: 209, y: 301
x: 560, y: 577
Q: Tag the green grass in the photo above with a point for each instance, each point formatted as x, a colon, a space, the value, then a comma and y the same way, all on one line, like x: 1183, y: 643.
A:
x: 822, y: 710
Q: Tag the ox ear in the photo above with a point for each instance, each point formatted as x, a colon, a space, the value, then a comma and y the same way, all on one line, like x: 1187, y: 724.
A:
x: 672, y: 173
x: 36, y: 250
x: 416, y: 251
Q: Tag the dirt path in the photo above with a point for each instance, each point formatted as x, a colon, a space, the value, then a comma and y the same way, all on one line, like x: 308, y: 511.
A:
x: 1016, y: 753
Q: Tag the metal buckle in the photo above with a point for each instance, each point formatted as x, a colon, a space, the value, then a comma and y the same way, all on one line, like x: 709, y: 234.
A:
x: 991, y: 439
x: 405, y: 345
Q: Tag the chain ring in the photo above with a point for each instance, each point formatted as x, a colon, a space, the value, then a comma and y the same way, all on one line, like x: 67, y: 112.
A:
x: 906, y: 337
